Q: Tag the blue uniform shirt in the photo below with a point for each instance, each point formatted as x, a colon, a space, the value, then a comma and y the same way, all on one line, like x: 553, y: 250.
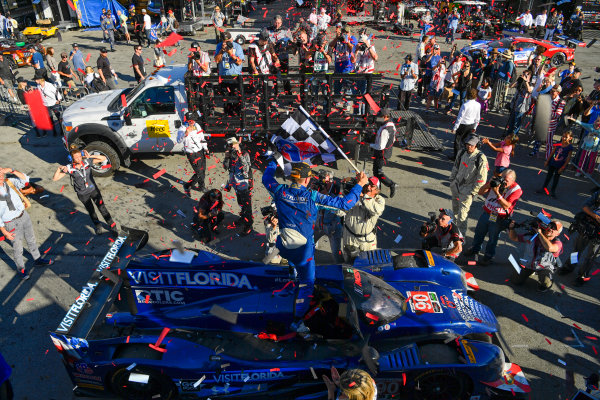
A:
x: 228, y: 66
x: 37, y: 58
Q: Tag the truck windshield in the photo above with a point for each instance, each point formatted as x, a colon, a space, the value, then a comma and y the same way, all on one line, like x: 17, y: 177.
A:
x: 376, y: 301
x: 130, y: 94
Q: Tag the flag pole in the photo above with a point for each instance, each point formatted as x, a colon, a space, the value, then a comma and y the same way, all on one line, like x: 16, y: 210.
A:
x: 307, y: 115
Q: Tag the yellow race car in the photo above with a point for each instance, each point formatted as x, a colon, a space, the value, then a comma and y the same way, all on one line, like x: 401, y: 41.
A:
x: 43, y: 30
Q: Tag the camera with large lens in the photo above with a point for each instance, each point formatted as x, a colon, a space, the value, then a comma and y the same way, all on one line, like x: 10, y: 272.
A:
x: 229, y: 45
x: 269, y: 211
x: 498, y: 182
x: 429, y: 226
x: 361, y: 47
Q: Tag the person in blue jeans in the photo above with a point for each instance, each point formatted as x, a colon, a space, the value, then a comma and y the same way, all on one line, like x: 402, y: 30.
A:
x: 462, y: 83
x: 496, y: 215
x: 452, y: 26
x: 520, y: 103
x: 6, y: 392
x: 297, y: 210
x: 558, y: 161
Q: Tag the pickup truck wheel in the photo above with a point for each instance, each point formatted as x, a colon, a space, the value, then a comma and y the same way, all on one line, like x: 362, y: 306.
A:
x: 158, y: 386
x: 113, y: 162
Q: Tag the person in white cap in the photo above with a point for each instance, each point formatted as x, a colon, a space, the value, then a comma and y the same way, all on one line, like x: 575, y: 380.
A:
x: 360, y: 223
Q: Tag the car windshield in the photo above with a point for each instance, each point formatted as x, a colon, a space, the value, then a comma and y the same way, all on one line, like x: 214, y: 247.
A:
x: 496, y: 44
x: 129, y: 93
x: 376, y: 302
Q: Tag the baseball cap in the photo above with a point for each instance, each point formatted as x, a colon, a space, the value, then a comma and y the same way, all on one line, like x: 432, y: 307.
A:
x: 339, y: 25
x: 143, y: 11
x: 473, y: 140
x: 301, y: 170
x: 557, y: 87
x: 448, y: 212
x: 75, y: 45
x: 577, y: 69
x: 436, y: 46
x: 408, y: 57
x: 227, y: 35
x: 103, y: 50
x: 384, y: 112
x: 375, y: 182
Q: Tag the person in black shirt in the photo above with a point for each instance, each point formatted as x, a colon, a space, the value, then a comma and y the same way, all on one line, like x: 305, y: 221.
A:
x: 80, y: 171
x: 138, y: 27
x: 104, y: 69
x: 208, y: 213
x: 138, y: 64
x: 65, y: 72
x: 571, y: 84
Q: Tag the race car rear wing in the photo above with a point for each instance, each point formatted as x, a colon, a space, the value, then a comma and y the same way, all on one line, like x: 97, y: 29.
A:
x: 102, y: 288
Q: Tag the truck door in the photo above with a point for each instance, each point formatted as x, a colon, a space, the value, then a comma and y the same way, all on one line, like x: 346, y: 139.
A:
x: 154, y: 119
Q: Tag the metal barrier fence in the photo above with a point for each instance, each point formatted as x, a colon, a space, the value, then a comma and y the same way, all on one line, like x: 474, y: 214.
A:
x: 13, y: 113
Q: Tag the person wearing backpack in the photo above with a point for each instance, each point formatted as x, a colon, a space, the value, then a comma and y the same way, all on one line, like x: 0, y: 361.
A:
x: 469, y: 173
x: 383, y: 146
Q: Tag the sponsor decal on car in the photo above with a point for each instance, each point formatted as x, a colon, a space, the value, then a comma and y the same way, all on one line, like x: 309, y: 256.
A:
x: 465, y: 306
x: 424, y: 302
x: 248, y: 376
x: 187, y: 278
x: 159, y: 296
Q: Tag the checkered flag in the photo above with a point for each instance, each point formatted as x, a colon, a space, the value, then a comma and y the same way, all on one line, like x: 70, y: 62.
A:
x: 300, y: 139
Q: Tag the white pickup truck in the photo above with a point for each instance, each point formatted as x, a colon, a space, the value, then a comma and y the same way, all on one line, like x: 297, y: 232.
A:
x: 120, y: 123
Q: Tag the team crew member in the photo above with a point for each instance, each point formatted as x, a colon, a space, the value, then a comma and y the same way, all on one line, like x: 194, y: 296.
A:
x: 468, y: 175
x: 237, y: 162
x: 466, y: 121
x: 541, y: 252
x: 80, y: 172
x: 409, y: 73
x: 360, y: 223
x: 383, y: 146
x: 199, y: 62
x: 15, y: 224
x: 446, y: 235
x: 497, y: 210
x: 262, y: 56
x: 297, y: 212
x: 196, y: 150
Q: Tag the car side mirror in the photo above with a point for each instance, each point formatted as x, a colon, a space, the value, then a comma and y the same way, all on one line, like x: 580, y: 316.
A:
x: 127, y: 116
x: 178, y: 124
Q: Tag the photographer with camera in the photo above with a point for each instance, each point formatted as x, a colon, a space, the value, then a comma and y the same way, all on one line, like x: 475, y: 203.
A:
x: 297, y: 211
x: 237, y: 163
x: 342, y: 49
x: 198, y: 61
x: 329, y: 222
x: 261, y: 56
x: 208, y: 213
x: 271, y: 223
x: 502, y: 194
x: 587, y: 244
x: 542, y: 251
x: 441, y: 231
x: 196, y: 150
x: 468, y: 175
x: 303, y: 49
x: 280, y: 37
x: 360, y: 223
x: 229, y: 57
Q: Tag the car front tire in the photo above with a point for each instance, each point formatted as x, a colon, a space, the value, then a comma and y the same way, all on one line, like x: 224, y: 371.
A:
x: 113, y: 161
x: 558, y: 59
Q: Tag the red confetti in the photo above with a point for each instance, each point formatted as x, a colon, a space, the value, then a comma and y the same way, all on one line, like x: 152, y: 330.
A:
x: 549, y: 342
x: 171, y: 40
x: 87, y: 59
x: 159, y: 173
x: 71, y: 6
x: 577, y: 326
x: 525, y: 318
x: 123, y: 100
x: 471, y: 262
x: 61, y: 188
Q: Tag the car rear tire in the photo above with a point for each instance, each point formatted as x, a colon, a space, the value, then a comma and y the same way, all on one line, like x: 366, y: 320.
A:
x: 441, y: 385
x: 558, y: 59
x: 113, y: 161
x: 158, y: 386
x: 480, y: 337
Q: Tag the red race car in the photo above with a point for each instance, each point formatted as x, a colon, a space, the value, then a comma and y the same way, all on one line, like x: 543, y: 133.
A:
x: 556, y: 52
x: 18, y: 52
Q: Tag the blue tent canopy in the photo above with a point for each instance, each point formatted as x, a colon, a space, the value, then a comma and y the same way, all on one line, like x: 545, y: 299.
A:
x: 92, y: 9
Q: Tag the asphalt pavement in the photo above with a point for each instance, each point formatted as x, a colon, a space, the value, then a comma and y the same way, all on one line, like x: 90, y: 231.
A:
x: 548, y: 334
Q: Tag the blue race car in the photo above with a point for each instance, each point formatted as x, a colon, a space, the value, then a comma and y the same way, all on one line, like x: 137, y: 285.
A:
x: 193, y: 325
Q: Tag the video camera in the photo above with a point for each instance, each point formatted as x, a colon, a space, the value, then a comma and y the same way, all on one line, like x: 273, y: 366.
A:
x: 431, y: 225
x: 531, y: 225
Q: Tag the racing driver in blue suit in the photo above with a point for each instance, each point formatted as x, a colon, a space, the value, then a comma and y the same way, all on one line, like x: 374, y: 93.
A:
x: 297, y: 212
